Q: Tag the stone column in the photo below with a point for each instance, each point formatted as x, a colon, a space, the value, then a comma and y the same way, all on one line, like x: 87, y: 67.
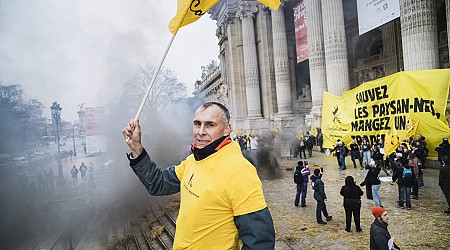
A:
x: 419, y: 34
x: 316, y: 53
x: 447, y: 7
x: 335, y: 47
x: 250, y: 61
x: 281, y: 62
x: 389, y: 48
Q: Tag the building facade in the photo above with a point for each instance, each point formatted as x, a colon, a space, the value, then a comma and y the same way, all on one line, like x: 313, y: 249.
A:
x: 261, y: 81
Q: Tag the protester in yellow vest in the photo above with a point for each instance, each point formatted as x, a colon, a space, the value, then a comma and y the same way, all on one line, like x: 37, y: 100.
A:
x: 221, y: 200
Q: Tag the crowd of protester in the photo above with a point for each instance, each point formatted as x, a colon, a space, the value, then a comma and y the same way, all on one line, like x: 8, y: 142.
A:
x: 406, y: 167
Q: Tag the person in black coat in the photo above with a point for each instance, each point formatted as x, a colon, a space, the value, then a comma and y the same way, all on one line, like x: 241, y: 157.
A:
x: 379, y: 234
x: 320, y: 196
x: 352, y: 203
x: 374, y: 182
x: 337, y: 150
x: 444, y: 180
x: 442, y: 150
x: 355, y: 153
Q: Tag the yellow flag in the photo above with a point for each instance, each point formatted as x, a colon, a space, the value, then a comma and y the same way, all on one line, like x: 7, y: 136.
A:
x: 273, y: 4
x: 411, y: 131
x: 313, y: 131
x: 395, y: 142
x: 277, y: 127
x: 387, y: 144
x: 189, y: 11
x: 391, y: 142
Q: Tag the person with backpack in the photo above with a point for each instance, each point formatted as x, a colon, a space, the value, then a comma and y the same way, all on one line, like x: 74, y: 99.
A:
x: 305, y: 174
x: 405, y: 177
x: 301, y: 179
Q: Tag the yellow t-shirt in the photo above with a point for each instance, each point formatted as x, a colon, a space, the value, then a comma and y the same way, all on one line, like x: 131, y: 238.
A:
x: 213, y: 191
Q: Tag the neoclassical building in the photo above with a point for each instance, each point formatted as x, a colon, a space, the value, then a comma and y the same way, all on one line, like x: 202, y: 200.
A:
x: 261, y: 81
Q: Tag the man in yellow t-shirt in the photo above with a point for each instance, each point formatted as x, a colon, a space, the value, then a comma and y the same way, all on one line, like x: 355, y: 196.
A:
x: 221, y: 197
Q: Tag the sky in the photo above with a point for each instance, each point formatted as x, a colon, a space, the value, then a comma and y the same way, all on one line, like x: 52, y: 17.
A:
x: 80, y: 51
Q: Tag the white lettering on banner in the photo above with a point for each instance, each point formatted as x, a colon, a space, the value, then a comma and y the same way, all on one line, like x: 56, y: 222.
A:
x: 299, y: 11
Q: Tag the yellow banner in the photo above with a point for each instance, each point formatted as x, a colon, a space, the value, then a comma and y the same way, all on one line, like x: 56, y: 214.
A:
x: 388, y: 104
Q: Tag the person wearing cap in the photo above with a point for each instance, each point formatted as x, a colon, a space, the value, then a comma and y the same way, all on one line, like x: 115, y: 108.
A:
x: 379, y: 234
x: 443, y: 149
x: 444, y: 180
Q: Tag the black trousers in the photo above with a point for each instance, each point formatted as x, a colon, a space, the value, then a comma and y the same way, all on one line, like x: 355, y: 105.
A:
x: 446, y: 191
x: 348, y: 217
x: 321, y: 208
x: 356, y: 156
x: 369, y: 192
x: 302, y: 150
x: 310, y: 151
x: 415, y: 189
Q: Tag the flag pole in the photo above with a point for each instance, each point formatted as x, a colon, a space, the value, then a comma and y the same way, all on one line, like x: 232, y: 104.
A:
x: 152, y: 82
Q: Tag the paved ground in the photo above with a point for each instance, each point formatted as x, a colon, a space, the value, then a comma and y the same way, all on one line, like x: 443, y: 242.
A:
x: 423, y: 227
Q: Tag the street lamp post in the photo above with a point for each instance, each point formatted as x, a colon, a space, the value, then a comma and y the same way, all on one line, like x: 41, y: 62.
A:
x: 56, y: 114
x: 73, y: 138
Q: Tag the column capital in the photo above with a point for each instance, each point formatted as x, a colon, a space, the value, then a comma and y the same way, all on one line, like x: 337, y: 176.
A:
x: 247, y: 11
x: 221, y: 31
